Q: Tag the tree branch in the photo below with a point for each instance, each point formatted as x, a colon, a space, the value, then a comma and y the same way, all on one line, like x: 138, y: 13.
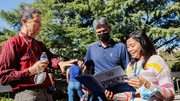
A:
x: 157, y: 40
x: 156, y: 18
x: 151, y: 10
x: 168, y: 42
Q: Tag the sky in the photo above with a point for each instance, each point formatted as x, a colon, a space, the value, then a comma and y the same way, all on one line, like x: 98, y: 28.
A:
x: 9, y: 5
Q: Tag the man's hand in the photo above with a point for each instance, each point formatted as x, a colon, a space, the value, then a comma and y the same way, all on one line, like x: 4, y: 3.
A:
x: 40, y: 65
x: 63, y: 64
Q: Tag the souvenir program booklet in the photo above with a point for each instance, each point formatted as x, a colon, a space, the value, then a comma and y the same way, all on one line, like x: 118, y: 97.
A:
x: 112, y: 80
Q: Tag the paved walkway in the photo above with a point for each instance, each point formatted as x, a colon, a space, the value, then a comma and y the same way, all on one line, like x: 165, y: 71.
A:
x: 177, y: 97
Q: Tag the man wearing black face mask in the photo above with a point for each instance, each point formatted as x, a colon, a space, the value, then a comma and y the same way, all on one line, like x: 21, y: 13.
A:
x: 106, y: 53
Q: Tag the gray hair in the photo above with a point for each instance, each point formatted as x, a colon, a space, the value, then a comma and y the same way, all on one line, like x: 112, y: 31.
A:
x: 100, y: 21
x: 26, y: 13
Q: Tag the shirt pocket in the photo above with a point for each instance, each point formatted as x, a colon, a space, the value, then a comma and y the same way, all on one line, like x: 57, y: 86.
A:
x: 27, y: 56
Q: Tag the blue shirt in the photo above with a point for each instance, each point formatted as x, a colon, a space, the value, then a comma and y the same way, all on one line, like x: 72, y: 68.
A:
x: 74, y: 71
x: 115, y: 54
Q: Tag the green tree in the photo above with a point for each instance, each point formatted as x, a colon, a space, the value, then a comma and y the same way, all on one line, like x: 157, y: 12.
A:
x: 67, y: 24
x: 172, y: 60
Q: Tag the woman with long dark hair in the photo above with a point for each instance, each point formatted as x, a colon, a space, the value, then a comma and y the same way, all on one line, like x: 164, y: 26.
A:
x: 148, y: 72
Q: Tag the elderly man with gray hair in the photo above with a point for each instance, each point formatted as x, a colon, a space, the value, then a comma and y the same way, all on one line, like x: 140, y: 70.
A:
x: 19, y: 61
x: 106, y: 53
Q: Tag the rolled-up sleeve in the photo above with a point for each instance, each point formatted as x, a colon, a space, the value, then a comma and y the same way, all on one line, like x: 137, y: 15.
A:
x: 8, y: 64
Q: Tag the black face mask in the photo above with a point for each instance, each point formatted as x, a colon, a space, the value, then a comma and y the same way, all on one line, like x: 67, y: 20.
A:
x: 104, y: 37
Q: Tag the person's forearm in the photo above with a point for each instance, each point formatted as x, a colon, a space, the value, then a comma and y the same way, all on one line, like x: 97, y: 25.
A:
x: 169, y: 95
x: 67, y: 80
x: 10, y: 75
x: 123, y: 96
x: 32, y: 70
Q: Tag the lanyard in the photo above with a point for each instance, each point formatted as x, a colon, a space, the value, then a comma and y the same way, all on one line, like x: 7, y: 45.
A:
x: 30, y: 46
x: 135, y: 68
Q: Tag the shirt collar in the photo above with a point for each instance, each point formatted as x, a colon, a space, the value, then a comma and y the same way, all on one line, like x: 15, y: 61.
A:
x: 110, y: 44
x: 28, y: 38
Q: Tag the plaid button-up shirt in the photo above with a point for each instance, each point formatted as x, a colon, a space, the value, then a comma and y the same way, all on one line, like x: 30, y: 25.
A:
x: 16, y: 58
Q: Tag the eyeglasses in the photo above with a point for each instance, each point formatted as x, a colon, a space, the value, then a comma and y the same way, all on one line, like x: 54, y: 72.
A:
x: 103, y: 31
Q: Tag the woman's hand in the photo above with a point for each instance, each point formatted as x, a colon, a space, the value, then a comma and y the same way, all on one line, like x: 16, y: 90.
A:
x: 109, y: 95
x: 137, y: 83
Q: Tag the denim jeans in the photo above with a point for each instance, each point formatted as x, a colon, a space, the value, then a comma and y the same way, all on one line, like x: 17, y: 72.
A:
x: 72, y: 87
x: 95, y: 97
